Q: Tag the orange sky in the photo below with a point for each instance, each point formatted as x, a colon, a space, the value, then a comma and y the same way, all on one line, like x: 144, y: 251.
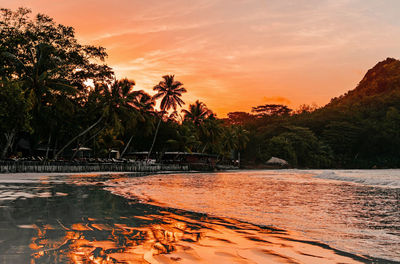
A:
x: 235, y: 54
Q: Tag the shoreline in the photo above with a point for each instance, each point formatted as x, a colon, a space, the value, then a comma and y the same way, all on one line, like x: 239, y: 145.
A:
x: 172, y: 234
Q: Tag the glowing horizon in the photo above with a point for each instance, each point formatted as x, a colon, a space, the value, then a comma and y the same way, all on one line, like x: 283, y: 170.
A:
x: 234, y: 55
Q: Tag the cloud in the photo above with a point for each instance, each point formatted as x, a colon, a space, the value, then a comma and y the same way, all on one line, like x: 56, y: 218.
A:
x: 277, y: 99
x: 227, y: 53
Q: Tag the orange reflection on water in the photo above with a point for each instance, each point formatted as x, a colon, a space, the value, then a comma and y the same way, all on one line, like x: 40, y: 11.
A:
x: 171, y: 237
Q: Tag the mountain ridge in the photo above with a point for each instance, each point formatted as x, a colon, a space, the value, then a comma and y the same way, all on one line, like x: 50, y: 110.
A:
x: 381, y: 80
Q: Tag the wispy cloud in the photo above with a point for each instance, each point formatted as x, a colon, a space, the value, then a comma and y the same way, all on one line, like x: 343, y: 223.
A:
x: 277, y: 99
x: 237, y: 54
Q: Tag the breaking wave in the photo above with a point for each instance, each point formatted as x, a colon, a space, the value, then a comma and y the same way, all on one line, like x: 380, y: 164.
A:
x: 380, y: 178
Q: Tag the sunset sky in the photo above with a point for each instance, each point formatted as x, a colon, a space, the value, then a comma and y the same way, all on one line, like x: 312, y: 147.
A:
x: 235, y: 54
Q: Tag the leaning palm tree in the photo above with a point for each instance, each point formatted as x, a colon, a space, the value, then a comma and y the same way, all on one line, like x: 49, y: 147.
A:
x: 144, y: 105
x: 197, y: 113
x: 170, y: 91
x: 115, y: 101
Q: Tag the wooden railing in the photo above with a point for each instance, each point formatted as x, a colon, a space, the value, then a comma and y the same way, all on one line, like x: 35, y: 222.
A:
x: 61, y: 166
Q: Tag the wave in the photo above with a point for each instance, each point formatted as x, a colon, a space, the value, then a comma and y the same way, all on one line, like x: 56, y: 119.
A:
x: 386, y: 178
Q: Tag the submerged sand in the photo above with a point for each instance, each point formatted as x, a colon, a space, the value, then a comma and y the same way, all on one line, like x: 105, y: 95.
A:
x: 176, y: 238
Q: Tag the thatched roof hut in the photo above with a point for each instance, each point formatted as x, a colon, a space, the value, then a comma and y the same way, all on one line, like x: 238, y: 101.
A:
x: 274, y: 161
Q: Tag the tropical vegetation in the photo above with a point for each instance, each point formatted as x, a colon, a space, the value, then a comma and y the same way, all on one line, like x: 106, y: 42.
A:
x: 57, y: 95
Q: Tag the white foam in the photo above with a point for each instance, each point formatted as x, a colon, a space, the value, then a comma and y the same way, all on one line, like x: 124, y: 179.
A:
x: 380, y: 178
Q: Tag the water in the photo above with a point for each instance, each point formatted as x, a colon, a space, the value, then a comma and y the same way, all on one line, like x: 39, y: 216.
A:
x: 356, y: 211
x: 293, y: 216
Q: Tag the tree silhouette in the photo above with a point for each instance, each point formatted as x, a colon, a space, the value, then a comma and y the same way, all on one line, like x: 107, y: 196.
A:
x: 271, y: 110
x: 116, y: 107
x: 197, y: 113
x: 170, y: 91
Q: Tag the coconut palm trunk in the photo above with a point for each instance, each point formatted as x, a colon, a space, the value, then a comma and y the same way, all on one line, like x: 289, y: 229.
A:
x: 84, y: 143
x: 78, y: 136
x: 204, y: 148
x: 154, y: 138
x: 126, y: 147
x: 48, y: 147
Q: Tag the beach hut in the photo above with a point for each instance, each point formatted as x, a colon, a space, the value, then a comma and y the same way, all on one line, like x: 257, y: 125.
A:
x: 277, y: 162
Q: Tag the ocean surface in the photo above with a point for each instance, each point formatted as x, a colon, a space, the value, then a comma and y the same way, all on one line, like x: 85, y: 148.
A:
x: 356, y: 211
x: 261, y: 216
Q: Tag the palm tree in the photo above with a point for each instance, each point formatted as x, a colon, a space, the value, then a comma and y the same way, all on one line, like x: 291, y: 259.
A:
x: 116, y: 107
x: 210, y: 134
x: 197, y: 113
x: 118, y: 103
x: 108, y: 140
x: 144, y: 104
x: 185, y: 140
x: 228, y: 141
x: 242, y: 138
x: 170, y: 91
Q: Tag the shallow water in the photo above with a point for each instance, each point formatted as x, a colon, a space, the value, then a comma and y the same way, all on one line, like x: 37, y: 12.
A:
x: 250, y: 217
x: 356, y: 211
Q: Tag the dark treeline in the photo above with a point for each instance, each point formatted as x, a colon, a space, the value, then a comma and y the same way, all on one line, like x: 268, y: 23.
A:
x: 360, y: 129
x: 47, y: 104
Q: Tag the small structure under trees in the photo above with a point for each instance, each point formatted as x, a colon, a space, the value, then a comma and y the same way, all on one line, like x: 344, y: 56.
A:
x: 277, y: 162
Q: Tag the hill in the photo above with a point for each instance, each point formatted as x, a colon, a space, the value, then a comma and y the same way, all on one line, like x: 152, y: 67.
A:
x: 382, y: 80
x: 360, y: 129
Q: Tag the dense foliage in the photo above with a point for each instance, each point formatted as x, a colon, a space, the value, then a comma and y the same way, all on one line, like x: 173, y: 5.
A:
x: 357, y: 130
x: 47, y: 108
